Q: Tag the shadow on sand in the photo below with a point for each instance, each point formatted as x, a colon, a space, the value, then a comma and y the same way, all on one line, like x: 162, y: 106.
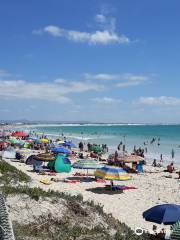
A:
x: 104, y: 190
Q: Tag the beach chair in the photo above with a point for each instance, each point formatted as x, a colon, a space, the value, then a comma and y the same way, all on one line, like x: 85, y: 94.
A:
x: 37, y: 166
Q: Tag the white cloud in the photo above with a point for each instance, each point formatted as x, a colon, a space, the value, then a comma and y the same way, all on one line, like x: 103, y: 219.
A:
x: 98, y: 37
x: 45, y: 91
x: 4, y: 73
x: 128, y: 84
x: 86, y: 86
x: 127, y: 79
x: 60, y: 80
x: 100, y: 18
x: 131, y: 77
x: 102, y: 76
x: 106, y: 100
x: 53, y: 30
x: 161, y: 101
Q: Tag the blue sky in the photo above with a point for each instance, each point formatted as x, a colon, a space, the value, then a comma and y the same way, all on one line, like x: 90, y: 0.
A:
x: 102, y: 61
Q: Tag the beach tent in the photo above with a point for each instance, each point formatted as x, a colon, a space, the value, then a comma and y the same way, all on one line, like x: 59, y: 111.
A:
x: 11, y: 153
x: 19, y: 134
x: 60, y: 164
x: 165, y: 213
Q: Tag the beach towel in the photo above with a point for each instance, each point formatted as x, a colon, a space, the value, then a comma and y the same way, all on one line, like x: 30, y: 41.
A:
x: 71, y: 181
x: 100, y: 180
x: 45, y: 181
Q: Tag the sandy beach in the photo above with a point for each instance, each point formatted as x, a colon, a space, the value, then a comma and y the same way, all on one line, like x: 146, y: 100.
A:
x: 153, y: 187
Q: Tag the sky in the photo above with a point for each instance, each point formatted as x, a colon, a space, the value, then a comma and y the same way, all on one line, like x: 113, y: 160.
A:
x: 90, y: 60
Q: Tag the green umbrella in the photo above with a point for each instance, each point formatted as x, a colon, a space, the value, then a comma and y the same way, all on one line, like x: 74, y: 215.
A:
x: 14, y: 141
x: 96, y: 149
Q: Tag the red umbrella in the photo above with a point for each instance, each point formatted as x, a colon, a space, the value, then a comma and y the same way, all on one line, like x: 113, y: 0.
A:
x: 19, y: 134
x: 3, y: 143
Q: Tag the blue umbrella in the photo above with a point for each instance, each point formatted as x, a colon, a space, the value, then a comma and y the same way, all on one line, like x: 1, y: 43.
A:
x: 69, y: 144
x: 165, y: 213
x: 61, y: 150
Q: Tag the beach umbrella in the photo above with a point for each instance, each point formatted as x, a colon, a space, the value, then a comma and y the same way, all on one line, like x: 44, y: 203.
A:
x: 61, y: 150
x: 112, y: 173
x: 19, y: 134
x: 44, y: 140
x: 165, y: 213
x: 175, y: 231
x: 5, y: 134
x: 45, y: 157
x: 4, y: 144
x: 59, y: 142
x: 96, y: 149
x: 131, y: 158
x: 87, y: 164
x: 69, y: 144
x: 14, y: 141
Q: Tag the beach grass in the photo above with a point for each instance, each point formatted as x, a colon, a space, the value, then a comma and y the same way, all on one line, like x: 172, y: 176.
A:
x: 73, y: 225
x: 10, y: 174
x: 70, y: 225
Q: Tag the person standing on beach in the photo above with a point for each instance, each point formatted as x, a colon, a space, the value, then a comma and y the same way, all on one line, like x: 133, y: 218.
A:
x: 161, y: 157
x: 172, y: 153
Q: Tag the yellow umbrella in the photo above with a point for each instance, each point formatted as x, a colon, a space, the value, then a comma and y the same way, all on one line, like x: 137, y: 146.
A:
x: 44, y: 140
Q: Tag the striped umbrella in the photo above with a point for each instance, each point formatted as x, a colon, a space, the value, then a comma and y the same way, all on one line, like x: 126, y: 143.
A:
x: 175, y: 231
x: 112, y: 173
x: 87, y: 164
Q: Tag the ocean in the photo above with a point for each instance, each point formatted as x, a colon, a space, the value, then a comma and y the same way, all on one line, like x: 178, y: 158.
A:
x: 168, y: 136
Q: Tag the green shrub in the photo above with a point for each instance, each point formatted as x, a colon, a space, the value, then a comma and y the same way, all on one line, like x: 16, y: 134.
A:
x: 11, y: 173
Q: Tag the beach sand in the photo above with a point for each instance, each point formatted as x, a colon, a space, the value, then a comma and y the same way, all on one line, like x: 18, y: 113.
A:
x: 153, y: 187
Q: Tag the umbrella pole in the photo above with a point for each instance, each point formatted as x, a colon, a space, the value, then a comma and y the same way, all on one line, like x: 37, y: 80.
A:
x: 112, y: 184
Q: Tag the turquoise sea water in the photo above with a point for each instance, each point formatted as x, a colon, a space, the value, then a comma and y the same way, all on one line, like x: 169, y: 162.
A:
x: 131, y: 135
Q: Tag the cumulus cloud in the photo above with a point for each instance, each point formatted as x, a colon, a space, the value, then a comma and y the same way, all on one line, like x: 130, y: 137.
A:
x: 98, y: 37
x: 54, y: 91
x: 106, y: 100
x: 105, y: 34
x: 159, y: 101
